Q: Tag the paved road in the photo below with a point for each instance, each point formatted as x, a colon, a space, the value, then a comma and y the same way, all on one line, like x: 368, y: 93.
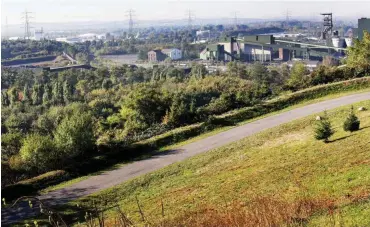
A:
x: 138, y: 168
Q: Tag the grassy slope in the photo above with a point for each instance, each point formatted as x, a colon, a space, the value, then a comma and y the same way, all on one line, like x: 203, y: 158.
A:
x: 284, y: 163
x: 204, y: 135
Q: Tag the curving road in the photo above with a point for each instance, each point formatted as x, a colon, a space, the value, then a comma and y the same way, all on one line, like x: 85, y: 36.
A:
x: 135, y: 169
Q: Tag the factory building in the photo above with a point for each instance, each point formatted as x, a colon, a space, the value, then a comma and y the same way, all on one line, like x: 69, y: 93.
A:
x: 214, y: 52
x: 363, y: 25
x: 38, y: 35
x: 161, y: 55
x: 156, y: 56
x: 257, y: 48
x: 173, y: 53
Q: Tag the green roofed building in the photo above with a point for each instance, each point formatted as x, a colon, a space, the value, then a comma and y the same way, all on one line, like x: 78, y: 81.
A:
x: 213, y: 52
x: 363, y: 25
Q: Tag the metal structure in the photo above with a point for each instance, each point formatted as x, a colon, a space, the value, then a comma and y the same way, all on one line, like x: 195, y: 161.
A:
x: 287, y: 17
x: 190, y: 19
x: 327, y: 25
x: 235, y: 21
x: 27, y: 28
x: 130, y: 22
x: 6, y: 27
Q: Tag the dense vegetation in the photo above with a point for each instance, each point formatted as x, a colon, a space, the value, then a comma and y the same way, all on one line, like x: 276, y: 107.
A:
x: 50, y: 120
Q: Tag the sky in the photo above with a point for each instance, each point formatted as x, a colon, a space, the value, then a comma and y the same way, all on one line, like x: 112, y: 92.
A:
x: 115, y: 10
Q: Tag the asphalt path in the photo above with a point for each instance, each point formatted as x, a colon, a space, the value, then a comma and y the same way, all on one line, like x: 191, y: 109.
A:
x: 114, y: 177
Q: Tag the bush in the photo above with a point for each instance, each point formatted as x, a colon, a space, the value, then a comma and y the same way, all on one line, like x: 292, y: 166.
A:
x: 351, y: 123
x: 32, y: 185
x: 323, y: 130
x: 38, y: 152
x: 74, y: 135
x: 10, y: 144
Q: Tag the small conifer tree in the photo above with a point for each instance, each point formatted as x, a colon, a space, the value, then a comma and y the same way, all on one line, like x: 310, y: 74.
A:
x: 323, y: 129
x: 351, y: 123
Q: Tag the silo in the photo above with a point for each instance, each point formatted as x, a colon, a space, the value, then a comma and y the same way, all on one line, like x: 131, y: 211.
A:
x: 349, y: 41
x: 337, y: 42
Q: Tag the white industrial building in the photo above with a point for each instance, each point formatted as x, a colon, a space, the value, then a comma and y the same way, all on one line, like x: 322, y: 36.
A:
x: 174, y: 53
x: 68, y: 39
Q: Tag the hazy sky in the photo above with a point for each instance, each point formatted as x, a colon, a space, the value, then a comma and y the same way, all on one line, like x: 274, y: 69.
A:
x: 111, y: 10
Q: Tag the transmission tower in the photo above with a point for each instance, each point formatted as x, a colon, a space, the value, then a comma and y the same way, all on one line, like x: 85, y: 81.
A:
x: 287, y: 17
x: 190, y: 19
x: 27, y: 27
x: 235, y: 21
x: 130, y: 22
x: 6, y: 28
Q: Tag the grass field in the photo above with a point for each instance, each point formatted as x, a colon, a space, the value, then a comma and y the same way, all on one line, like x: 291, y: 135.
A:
x: 282, y: 176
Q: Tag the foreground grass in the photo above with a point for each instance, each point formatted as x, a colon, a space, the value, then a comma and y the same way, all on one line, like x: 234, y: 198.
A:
x: 277, y: 176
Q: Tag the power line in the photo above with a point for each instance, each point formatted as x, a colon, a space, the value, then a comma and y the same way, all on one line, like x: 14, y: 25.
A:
x: 27, y: 27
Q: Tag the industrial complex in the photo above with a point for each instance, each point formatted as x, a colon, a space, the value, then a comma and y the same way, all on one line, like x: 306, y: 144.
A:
x: 268, y: 48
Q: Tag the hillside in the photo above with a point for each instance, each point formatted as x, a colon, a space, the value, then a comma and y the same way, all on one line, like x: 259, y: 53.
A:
x: 282, y: 175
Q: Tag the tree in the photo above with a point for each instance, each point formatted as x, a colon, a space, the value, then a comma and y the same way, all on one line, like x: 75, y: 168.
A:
x: 13, y: 96
x: 57, y: 93
x: 143, y: 107
x: 26, y: 93
x: 5, y: 99
x: 38, y: 152
x: 198, y: 71
x: 236, y: 69
x: 107, y: 83
x: 259, y: 73
x: 82, y: 58
x: 74, y: 135
x: 358, y: 55
x: 323, y: 129
x: 36, y: 94
x: 142, y: 55
x: 352, y: 122
x: 10, y: 144
x: 47, y: 96
x: 297, y: 78
x: 178, y: 113
x: 330, y: 61
x: 67, y: 92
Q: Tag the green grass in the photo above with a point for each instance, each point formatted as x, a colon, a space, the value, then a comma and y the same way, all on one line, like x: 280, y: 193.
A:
x: 284, y: 163
x: 204, y: 135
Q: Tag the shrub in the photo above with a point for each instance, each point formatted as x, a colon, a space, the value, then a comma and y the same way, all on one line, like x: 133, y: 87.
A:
x: 38, y: 152
x: 32, y: 185
x: 351, y: 123
x: 10, y: 144
x: 323, y: 130
x: 74, y: 135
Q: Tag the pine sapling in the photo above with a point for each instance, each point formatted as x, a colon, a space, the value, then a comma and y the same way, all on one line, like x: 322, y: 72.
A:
x: 323, y: 129
x: 351, y: 123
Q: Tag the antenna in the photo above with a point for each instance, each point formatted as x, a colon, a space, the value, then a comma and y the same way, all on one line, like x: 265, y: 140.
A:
x: 130, y: 22
x: 27, y: 28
